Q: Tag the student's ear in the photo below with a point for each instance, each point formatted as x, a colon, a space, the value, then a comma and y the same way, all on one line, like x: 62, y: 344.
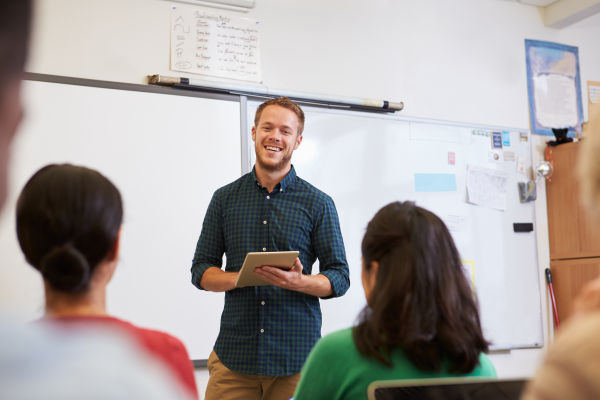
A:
x: 374, y: 269
x: 254, y: 134
x: 113, y: 255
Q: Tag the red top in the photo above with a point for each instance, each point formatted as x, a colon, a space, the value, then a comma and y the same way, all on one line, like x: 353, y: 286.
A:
x: 161, y: 345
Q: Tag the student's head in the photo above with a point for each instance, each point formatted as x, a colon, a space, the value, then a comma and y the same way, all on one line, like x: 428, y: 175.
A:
x: 418, y: 296
x: 14, y: 39
x: 277, y: 132
x: 68, y: 222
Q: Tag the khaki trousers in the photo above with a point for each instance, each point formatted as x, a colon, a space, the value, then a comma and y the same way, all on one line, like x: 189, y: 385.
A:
x: 225, y: 384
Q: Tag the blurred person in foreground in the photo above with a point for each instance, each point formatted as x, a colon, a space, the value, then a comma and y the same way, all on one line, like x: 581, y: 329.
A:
x: 421, y: 320
x: 41, y: 362
x: 572, y: 368
x: 69, y: 226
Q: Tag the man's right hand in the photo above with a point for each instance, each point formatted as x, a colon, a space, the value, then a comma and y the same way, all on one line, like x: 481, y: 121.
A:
x: 215, y: 279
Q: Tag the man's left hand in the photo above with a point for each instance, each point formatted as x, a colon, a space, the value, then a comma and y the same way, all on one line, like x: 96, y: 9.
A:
x: 292, y: 279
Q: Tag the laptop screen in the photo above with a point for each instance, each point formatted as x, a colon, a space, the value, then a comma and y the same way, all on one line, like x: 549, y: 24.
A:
x: 446, y: 389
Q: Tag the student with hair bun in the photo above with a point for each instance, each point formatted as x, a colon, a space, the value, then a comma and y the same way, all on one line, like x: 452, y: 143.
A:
x: 68, y: 225
x: 421, y: 320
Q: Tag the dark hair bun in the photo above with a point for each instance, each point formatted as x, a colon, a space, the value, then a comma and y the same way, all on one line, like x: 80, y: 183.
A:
x: 66, y: 269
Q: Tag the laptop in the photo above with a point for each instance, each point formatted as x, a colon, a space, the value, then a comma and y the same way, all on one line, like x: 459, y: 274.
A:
x: 447, y: 389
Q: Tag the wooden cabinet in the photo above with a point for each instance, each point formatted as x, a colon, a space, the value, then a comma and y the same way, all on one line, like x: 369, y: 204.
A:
x: 568, y: 277
x: 572, y: 233
x: 574, y: 236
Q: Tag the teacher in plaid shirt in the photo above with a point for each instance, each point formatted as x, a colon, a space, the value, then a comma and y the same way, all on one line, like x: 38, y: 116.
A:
x: 267, y: 331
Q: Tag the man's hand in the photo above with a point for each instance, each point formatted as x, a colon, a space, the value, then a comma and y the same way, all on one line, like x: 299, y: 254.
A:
x: 316, y: 285
x: 291, y: 279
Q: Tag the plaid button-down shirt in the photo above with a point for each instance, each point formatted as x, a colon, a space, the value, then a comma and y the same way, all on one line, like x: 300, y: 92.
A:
x: 267, y: 330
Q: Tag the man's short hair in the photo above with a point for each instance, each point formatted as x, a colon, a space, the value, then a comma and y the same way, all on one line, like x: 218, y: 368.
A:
x: 285, y: 103
x: 15, y: 24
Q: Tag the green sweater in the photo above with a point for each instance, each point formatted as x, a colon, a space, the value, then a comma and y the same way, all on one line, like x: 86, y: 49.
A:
x: 335, y: 370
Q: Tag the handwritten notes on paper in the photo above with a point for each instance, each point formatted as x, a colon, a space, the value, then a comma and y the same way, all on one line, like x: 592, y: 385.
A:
x: 487, y: 187
x: 214, y: 44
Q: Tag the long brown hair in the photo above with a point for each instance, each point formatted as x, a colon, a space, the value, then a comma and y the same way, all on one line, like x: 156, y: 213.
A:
x: 422, y: 301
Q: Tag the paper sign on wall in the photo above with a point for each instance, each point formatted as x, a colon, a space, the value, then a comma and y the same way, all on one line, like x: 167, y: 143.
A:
x: 521, y: 165
x: 487, y: 187
x: 215, y: 44
x: 435, y: 182
x: 554, y: 87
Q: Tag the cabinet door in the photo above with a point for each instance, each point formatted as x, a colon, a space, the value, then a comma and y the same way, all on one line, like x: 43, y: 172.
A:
x: 572, y: 233
x: 568, y: 277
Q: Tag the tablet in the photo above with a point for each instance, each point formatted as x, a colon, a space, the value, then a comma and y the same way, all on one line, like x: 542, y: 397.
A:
x: 280, y: 259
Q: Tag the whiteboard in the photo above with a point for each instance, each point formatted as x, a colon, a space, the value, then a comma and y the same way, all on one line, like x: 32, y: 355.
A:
x: 365, y: 161
x: 167, y: 154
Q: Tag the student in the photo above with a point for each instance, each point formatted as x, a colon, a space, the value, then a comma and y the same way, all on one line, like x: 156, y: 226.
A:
x: 421, y: 320
x: 572, y: 367
x: 68, y: 225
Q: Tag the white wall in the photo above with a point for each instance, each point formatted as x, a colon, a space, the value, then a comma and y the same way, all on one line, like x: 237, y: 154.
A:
x: 460, y: 60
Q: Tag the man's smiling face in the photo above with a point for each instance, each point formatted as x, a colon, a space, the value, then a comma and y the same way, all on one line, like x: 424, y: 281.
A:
x: 275, y: 138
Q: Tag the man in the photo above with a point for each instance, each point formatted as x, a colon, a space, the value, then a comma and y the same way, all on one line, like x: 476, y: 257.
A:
x: 267, y: 331
x: 44, y: 362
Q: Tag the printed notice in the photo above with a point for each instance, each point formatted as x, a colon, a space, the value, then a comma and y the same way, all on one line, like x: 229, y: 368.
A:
x: 215, y: 44
x: 455, y: 223
x: 554, y: 87
x: 487, y: 187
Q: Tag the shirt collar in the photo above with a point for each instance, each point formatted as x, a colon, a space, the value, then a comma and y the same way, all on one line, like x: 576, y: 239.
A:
x: 285, y: 182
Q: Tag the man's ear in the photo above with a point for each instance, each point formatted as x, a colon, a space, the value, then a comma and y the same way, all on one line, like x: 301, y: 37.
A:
x: 113, y: 255
x: 254, y: 134
x: 298, y: 141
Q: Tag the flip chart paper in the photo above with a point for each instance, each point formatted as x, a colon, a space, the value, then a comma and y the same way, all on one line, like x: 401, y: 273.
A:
x: 487, y: 187
x: 214, y: 44
x: 435, y: 182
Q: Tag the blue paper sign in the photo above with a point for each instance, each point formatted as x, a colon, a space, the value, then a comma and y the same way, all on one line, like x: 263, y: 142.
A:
x: 435, y: 183
x: 506, y: 139
x: 496, y: 140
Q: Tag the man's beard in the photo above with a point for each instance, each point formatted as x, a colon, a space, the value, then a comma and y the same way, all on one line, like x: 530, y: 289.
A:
x: 281, y: 165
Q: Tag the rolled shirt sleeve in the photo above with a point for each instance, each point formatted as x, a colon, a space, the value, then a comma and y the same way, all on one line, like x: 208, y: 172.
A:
x: 211, y: 244
x: 329, y: 248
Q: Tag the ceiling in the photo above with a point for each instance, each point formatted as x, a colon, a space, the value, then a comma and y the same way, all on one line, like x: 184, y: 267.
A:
x: 539, y: 3
x: 563, y: 13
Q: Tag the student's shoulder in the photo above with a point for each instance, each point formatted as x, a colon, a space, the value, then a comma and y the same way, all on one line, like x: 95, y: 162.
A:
x: 486, y: 367
x: 337, y: 344
x: 156, y: 339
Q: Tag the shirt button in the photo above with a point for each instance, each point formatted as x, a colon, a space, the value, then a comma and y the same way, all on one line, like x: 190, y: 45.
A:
x: 265, y: 222
x: 262, y: 331
x: 264, y: 249
x: 263, y: 303
x: 268, y: 197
